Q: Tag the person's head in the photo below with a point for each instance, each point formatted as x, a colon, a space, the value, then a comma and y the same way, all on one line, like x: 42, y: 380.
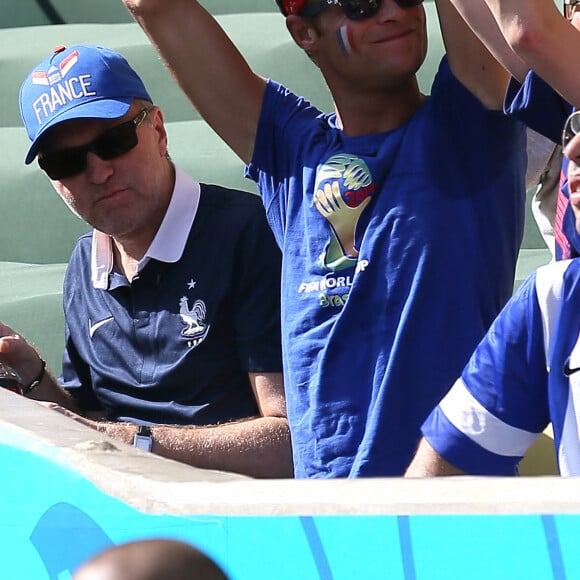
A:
x: 385, y: 39
x: 150, y: 560
x: 98, y: 137
x: 571, y: 147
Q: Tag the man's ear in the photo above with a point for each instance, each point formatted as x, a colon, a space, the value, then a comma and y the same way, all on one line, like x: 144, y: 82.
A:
x: 159, y: 126
x: 304, y: 35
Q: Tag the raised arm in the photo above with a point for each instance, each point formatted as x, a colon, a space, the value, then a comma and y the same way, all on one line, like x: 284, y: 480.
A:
x: 543, y: 38
x: 428, y: 463
x: 535, y: 32
x: 478, y: 15
x: 470, y: 60
x: 207, y: 66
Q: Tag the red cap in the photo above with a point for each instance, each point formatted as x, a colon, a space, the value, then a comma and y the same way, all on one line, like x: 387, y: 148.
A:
x: 293, y: 6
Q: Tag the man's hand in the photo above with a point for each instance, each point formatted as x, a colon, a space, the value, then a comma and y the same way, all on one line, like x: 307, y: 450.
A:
x: 18, y: 353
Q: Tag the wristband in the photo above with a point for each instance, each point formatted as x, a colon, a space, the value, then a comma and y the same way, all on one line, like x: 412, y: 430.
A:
x: 36, y: 380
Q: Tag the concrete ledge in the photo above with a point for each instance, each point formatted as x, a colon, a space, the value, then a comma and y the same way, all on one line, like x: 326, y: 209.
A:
x: 69, y: 492
x: 155, y: 485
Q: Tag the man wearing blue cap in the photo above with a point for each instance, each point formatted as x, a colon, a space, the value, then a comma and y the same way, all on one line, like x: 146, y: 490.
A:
x: 172, y: 302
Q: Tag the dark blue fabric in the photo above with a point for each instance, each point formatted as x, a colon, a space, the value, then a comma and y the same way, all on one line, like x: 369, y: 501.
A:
x: 140, y: 367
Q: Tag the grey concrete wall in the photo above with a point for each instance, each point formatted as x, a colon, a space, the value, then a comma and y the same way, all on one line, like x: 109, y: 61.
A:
x: 156, y: 485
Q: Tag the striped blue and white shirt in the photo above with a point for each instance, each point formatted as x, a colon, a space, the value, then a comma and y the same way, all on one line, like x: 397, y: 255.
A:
x: 523, y: 375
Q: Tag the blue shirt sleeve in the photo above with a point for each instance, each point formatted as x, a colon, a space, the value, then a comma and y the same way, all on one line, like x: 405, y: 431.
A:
x: 495, y: 410
x: 257, y: 298
x: 76, y: 377
x: 538, y: 106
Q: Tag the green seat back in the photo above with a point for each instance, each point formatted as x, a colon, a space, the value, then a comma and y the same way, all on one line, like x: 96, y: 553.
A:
x: 16, y: 13
x: 38, y: 228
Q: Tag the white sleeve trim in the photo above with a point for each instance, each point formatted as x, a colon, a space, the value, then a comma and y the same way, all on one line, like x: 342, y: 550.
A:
x: 549, y: 282
x: 484, y: 429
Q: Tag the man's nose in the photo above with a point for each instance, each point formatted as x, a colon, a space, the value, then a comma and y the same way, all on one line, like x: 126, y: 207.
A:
x: 98, y: 170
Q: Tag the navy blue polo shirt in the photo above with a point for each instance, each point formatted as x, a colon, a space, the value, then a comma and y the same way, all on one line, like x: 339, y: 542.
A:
x: 175, y: 345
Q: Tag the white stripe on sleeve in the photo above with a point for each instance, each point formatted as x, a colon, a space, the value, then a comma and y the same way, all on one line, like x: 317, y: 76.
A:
x: 483, y: 428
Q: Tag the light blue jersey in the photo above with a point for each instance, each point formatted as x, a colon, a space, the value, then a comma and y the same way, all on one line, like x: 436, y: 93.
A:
x: 524, y: 374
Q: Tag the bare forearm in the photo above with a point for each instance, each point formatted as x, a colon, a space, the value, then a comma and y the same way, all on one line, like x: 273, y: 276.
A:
x: 207, y: 66
x: 540, y: 35
x: 189, y: 41
x: 257, y: 447
x: 49, y: 390
x: 471, y: 62
x: 23, y: 357
x: 480, y: 19
x: 428, y: 463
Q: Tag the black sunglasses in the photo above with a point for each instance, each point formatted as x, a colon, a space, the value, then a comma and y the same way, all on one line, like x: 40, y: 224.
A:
x: 571, y: 128
x: 353, y: 9
x: 113, y: 143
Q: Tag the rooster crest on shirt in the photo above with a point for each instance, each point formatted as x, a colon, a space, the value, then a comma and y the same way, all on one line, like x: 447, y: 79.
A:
x: 193, y: 318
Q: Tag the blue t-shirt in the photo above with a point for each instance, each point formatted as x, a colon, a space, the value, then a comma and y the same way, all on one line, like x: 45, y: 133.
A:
x: 541, y: 108
x: 524, y: 374
x: 175, y: 346
x: 399, y: 249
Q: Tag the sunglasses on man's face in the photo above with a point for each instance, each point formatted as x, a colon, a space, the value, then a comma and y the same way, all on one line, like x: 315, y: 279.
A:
x: 113, y: 143
x: 353, y: 9
x: 571, y: 128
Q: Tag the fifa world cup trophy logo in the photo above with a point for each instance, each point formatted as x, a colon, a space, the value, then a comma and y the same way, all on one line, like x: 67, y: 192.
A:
x: 344, y: 188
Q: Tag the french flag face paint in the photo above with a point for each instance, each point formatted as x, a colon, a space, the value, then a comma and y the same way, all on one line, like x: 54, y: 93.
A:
x: 342, y: 36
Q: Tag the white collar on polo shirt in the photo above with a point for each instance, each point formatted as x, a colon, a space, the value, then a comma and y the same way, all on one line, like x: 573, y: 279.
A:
x: 170, y: 240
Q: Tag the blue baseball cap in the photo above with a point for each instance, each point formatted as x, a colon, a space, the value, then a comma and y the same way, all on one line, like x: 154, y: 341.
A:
x: 78, y: 82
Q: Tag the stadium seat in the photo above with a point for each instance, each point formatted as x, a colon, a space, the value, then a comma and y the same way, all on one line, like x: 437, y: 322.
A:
x: 18, y: 13
x: 541, y: 457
